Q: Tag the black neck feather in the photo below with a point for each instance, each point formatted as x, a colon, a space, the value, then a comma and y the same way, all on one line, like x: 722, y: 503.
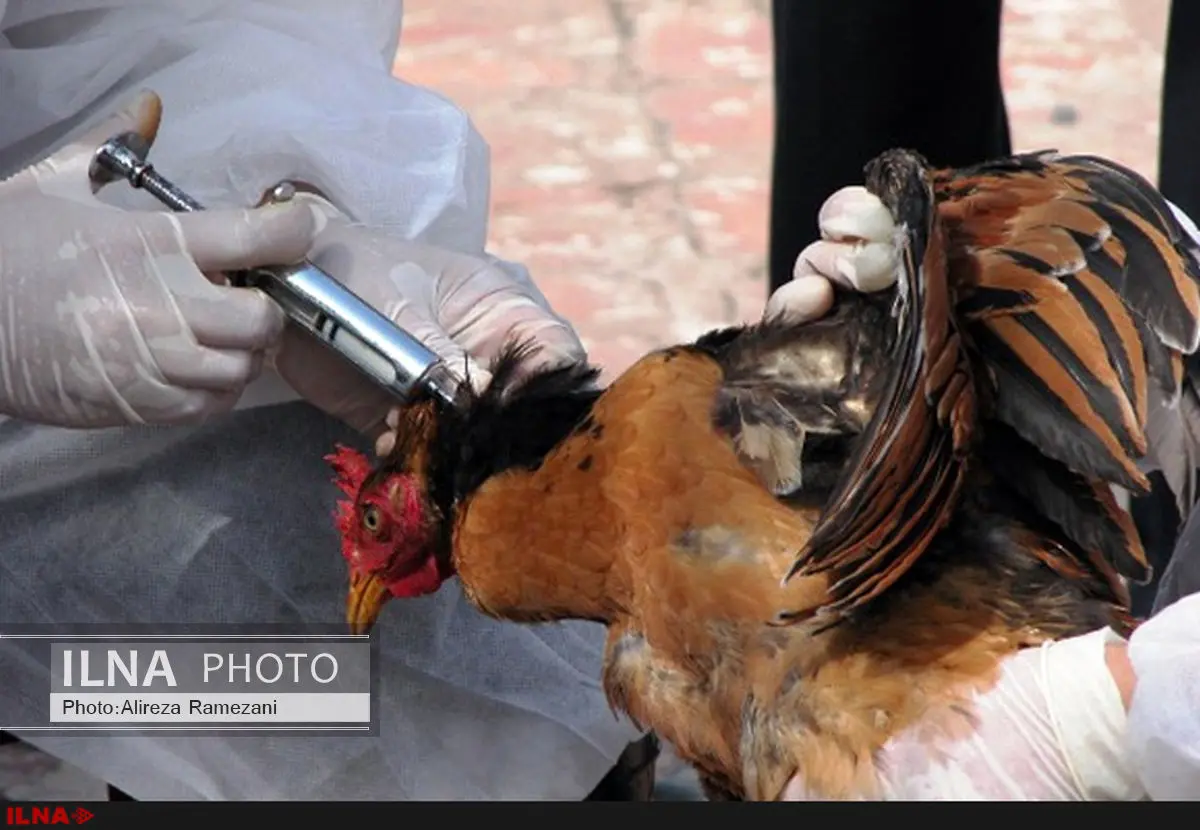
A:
x: 513, y: 424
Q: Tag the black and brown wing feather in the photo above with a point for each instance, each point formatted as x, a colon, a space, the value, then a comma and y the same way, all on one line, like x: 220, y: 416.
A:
x: 910, y: 465
x: 1080, y: 290
x: 1042, y: 313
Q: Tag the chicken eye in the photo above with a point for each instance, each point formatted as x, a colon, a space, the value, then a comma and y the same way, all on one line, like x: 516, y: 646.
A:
x: 372, y: 519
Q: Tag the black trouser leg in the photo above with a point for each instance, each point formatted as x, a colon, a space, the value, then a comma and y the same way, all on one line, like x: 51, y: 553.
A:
x: 1179, y: 162
x: 856, y: 77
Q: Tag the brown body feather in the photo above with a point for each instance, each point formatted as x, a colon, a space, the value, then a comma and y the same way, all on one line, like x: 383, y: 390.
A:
x: 682, y: 553
x: 806, y: 539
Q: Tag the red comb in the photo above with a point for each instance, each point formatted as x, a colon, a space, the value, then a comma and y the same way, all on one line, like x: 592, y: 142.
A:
x: 351, y: 468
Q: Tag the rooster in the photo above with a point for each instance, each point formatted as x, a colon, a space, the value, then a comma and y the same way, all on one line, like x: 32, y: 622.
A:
x: 804, y: 539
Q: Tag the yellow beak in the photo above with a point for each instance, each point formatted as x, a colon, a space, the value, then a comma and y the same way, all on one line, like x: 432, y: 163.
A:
x: 364, y: 601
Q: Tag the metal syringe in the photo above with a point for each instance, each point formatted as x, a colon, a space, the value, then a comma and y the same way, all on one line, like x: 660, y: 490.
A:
x: 387, y: 354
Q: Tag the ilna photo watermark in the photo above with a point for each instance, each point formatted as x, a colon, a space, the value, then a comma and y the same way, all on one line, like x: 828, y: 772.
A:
x: 220, y: 680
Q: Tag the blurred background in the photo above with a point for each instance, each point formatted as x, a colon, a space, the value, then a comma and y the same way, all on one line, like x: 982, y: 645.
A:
x: 631, y: 148
x: 631, y: 139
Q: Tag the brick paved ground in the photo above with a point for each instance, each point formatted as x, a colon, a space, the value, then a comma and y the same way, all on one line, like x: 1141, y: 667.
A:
x: 631, y: 142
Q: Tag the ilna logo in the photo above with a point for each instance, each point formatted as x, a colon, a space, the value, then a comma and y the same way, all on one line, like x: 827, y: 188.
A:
x: 46, y: 815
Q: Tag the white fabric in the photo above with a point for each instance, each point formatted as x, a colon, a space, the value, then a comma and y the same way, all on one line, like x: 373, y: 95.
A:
x: 230, y: 521
x: 1164, y: 715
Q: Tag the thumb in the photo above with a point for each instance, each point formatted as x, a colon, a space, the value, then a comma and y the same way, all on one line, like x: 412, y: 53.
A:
x: 65, y: 173
x: 807, y: 297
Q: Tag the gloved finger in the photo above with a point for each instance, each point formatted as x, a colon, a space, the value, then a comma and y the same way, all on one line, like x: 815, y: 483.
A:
x: 65, y: 173
x: 215, y: 370
x: 386, y: 442
x: 554, y: 343
x: 322, y: 377
x: 229, y: 240
x: 197, y: 406
x: 853, y: 214
x: 224, y: 318
x: 460, y: 363
x: 859, y: 266
x: 175, y: 406
x: 488, y: 322
x: 807, y: 297
x: 519, y: 275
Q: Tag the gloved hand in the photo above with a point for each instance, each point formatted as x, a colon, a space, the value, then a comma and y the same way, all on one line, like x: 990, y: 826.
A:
x: 462, y: 307
x: 857, y: 250
x: 106, y: 316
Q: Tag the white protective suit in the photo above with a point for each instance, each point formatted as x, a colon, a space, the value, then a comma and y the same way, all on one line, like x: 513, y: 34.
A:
x: 229, y: 522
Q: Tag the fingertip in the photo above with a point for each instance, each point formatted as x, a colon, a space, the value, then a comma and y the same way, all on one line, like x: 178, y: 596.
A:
x: 855, y: 213
x: 568, y: 344
x: 288, y: 229
x: 324, y: 212
x: 199, y: 406
x: 385, y: 443
x: 555, y: 341
x: 871, y: 267
x: 254, y: 367
x: 230, y: 240
x: 802, y: 300
x: 821, y: 259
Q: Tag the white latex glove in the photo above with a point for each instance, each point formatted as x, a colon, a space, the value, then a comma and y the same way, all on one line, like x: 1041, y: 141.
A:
x: 857, y: 250
x: 462, y: 307
x: 106, y: 316
x: 1054, y: 727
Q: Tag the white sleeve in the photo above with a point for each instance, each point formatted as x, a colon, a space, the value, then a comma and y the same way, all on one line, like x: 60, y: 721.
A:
x: 1164, y: 717
x: 254, y: 92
